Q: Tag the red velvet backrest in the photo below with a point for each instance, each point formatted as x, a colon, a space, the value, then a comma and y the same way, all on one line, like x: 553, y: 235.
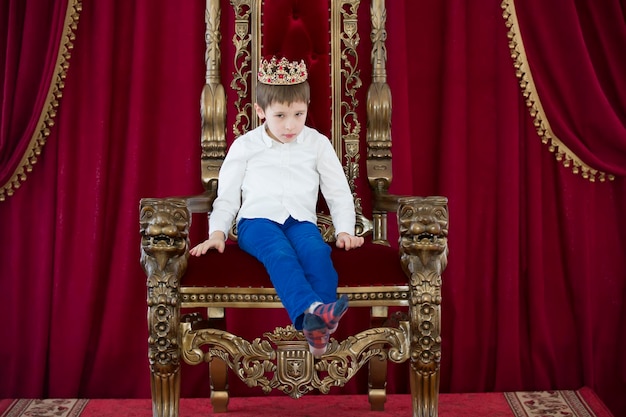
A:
x: 300, y: 29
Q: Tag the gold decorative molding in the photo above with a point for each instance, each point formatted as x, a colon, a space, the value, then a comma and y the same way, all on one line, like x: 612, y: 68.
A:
x: 49, y: 109
x: 529, y: 90
x: 246, y: 297
x: 283, y: 362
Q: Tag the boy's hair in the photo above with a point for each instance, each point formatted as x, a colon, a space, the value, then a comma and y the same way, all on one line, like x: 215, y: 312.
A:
x: 267, y: 94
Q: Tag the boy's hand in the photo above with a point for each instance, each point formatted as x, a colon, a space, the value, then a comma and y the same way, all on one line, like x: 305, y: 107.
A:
x: 217, y: 240
x: 348, y: 241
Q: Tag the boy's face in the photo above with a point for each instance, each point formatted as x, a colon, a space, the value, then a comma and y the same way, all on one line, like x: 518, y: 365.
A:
x: 284, y: 122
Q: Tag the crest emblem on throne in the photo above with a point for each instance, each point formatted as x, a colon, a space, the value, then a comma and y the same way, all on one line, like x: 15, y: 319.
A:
x: 294, y: 365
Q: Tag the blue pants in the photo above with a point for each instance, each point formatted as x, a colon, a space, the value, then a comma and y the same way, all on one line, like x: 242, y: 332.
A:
x: 297, y: 260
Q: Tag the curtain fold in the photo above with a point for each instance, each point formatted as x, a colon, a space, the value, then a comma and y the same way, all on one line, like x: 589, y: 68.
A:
x: 535, y: 289
x: 37, y: 37
x: 572, y: 73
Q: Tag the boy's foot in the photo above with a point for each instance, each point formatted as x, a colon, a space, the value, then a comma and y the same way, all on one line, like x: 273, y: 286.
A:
x: 316, y: 334
x: 332, y: 312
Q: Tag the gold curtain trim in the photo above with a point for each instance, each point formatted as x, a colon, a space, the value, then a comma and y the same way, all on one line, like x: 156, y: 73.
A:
x: 49, y: 109
x: 522, y: 71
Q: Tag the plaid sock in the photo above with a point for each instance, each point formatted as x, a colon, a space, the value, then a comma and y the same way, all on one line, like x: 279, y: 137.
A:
x: 332, y: 312
x: 316, y: 334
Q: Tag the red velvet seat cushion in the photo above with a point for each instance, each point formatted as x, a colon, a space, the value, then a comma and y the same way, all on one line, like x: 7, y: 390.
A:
x: 369, y: 265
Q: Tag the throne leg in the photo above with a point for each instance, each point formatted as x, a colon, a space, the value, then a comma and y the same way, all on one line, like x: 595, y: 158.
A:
x: 424, y: 393
x: 164, y: 226
x: 165, y: 394
x: 377, y: 379
x: 164, y: 354
x: 423, y: 224
x: 218, y: 370
x: 426, y: 352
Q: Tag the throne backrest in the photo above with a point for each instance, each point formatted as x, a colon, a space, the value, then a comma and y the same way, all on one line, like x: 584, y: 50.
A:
x: 346, y: 69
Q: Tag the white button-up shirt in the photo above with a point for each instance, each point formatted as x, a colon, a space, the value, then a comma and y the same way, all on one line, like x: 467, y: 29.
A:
x: 262, y: 178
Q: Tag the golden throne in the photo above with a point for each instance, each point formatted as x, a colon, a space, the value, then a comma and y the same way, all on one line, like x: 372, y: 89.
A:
x: 326, y: 34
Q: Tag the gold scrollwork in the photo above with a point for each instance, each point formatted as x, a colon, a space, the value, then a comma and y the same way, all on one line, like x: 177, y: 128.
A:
x: 247, y: 20
x: 347, y: 83
x: 286, y: 364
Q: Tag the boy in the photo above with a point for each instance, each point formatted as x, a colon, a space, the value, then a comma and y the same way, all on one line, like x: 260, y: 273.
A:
x: 269, y: 181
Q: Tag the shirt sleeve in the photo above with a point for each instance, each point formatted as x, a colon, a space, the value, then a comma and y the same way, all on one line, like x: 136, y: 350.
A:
x: 335, y: 189
x: 228, y: 201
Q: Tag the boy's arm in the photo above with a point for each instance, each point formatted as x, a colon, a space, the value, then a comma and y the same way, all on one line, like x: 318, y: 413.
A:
x: 336, y: 191
x: 231, y: 176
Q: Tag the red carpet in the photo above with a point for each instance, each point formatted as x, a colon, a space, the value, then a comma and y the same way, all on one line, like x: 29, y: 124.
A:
x: 581, y: 403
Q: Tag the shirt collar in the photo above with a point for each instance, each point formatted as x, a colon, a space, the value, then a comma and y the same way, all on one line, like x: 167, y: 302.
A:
x: 268, y: 141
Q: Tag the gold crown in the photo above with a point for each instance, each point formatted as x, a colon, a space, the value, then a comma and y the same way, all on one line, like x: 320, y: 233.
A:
x: 282, y: 72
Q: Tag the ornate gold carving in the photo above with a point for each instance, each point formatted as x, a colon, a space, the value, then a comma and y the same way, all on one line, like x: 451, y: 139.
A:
x: 529, y: 90
x: 345, y: 82
x: 164, y: 228
x: 379, y: 170
x: 283, y: 361
x: 49, y: 109
x: 247, y: 33
x: 423, y: 224
x: 213, y: 100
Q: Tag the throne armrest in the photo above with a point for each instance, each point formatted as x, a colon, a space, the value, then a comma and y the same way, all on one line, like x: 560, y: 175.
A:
x: 385, y: 202
x: 197, y: 203
x: 201, y: 203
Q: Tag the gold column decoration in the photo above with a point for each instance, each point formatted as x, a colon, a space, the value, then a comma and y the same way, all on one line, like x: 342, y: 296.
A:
x: 246, y: 61
x: 212, y: 101
x: 345, y: 83
x: 423, y: 224
x: 164, y: 228
x: 533, y: 102
x: 49, y: 110
x: 379, y: 170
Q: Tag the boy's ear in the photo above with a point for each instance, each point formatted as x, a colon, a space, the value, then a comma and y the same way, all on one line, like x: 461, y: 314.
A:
x: 259, y: 111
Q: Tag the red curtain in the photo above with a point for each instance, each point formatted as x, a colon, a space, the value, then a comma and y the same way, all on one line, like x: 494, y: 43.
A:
x: 579, y: 75
x: 30, y: 37
x: 535, y: 289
